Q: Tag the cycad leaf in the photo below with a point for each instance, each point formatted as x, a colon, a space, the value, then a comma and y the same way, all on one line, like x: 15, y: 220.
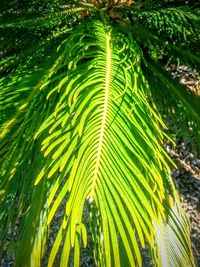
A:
x: 151, y: 4
x: 46, y: 20
x: 175, y: 24
x: 93, y: 137
x: 177, y: 33
x: 109, y: 124
x: 188, y: 99
x: 169, y: 250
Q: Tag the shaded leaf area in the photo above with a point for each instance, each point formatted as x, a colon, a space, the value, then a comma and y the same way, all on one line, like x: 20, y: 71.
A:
x: 185, y: 155
x: 32, y: 36
x: 33, y: 5
x: 187, y: 180
x: 177, y: 97
x: 177, y: 35
x: 171, y: 3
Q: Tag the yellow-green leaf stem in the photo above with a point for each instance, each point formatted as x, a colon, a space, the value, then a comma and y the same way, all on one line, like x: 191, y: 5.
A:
x: 101, y: 137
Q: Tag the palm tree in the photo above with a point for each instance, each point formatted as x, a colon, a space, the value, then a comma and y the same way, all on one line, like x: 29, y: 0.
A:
x: 83, y: 88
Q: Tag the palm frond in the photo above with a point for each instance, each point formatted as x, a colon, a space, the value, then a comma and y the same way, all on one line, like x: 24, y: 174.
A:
x: 79, y: 127
x: 151, y: 4
x: 163, y: 47
x: 177, y: 31
x: 46, y: 20
x: 15, y: 6
x: 95, y: 138
x: 188, y: 99
x: 177, y: 24
x: 169, y: 251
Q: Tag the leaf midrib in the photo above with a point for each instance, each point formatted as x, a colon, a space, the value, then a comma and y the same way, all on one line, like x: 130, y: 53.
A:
x: 103, y: 122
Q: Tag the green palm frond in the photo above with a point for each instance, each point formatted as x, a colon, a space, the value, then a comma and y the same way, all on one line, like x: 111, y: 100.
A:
x: 181, y: 92
x: 177, y: 33
x: 164, y: 47
x: 151, y: 4
x: 32, y: 20
x: 173, y: 98
x: 15, y: 6
x: 169, y: 249
x: 32, y: 34
x: 174, y: 23
x: 80, y: 129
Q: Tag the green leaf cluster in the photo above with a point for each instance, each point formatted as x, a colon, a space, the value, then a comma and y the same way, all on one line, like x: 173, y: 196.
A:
x: 81, y: 98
